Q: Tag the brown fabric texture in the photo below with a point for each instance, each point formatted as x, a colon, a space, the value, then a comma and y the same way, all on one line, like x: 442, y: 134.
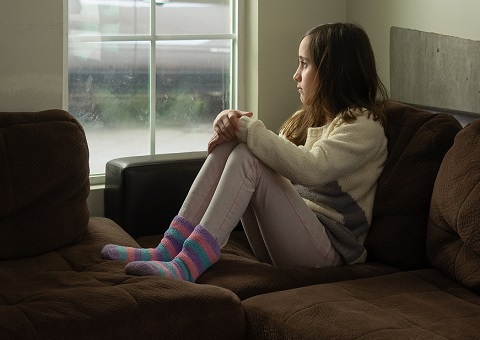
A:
x: 54, y: 284
x: 417, y: 143
x: 240, y: 272
x: 423, y: 304
x: 453, y: 239
x: 43, y: 180
x: 71, y: 293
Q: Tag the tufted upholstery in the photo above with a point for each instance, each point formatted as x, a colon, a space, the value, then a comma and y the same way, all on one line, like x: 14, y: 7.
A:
x: 453, y: 241
x: 417, y: 142
x: 71, y: 293
x: 43, y: 201
x: 53, y: 282
x: 419, y: 304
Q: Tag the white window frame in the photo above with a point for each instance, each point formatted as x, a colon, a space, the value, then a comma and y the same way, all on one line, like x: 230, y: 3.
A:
x: 237, y: 7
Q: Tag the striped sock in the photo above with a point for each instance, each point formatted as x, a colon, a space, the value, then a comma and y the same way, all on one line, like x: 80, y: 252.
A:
x: 168, y: 248
x: 199, y: 252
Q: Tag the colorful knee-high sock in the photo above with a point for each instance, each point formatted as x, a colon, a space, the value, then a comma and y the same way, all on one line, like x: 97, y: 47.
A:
x: 170, y: 245
x: 200, y: 251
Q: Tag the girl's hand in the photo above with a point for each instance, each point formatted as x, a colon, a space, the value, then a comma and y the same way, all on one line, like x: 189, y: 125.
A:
x: 214, y: 141
x: 227, y: 123
x: 225, y: 126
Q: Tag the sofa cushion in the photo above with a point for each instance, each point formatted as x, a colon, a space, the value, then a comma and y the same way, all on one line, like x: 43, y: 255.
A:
x: 240, y: 272
x: 72, y: 293
x: 423, y: 304
x: 44, y: 181
x: 453, y: 239
x: 417, y: 143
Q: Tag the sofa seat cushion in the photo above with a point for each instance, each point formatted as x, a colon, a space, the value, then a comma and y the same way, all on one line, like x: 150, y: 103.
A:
x: 420, y: 304
x: 72, y: 293
x: 240, y: 272
x: 453, y: 239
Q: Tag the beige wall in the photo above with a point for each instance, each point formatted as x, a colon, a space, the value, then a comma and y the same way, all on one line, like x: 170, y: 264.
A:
x: 273, y: 30
x: 448, y: 17
x: 31, y: 55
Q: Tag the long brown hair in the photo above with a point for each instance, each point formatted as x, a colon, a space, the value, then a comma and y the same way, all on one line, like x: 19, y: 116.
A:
x: 347, y: 78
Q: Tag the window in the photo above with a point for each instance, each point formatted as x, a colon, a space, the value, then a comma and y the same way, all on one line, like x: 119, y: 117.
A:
x: 148, y: 77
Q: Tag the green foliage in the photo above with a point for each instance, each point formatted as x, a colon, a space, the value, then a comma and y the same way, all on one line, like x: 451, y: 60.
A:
x: 181, y: 109
x: 121, y: 110
x: 113, y: 104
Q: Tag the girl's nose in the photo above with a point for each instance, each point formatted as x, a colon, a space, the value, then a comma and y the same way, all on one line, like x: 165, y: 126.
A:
x: 296, y: 76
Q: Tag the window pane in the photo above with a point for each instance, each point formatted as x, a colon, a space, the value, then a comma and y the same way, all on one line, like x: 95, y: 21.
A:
x: 112, y: 17
x: 110, y: 73
x: 108, y: 94
x: 193, y: 86
x: 193, y: 17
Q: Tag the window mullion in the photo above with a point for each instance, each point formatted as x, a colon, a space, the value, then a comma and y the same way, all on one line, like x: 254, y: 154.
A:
x: 129, y: 37
x: 234, y: 54
x: 195, y: 36
x: 153, y: 76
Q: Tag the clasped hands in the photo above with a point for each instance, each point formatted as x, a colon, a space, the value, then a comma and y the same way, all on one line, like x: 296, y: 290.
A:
x: 225, y: 126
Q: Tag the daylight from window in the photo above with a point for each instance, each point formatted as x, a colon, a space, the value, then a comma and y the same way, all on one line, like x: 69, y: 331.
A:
x: 147, y: 76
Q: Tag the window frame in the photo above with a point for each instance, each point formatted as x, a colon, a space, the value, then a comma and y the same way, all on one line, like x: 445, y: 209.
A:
x: 152, y: 38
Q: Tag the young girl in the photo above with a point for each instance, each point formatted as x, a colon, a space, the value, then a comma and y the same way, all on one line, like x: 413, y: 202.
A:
x: 304, y: 197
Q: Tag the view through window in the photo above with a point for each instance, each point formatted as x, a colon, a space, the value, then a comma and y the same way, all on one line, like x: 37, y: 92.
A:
x: 148, y: 76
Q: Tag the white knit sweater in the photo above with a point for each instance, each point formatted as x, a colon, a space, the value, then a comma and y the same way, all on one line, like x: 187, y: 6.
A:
x: 335, y: 172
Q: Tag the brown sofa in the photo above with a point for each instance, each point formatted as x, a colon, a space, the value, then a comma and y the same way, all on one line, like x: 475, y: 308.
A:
x: 55, y: 285
x: 143, y: 193
x: 441, y: 301
x: 400, y: 292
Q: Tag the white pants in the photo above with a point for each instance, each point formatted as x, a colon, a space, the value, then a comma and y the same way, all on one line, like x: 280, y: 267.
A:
x: 233, y: 184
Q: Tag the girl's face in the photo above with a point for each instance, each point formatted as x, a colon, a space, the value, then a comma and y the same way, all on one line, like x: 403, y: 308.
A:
x: 306, y: 74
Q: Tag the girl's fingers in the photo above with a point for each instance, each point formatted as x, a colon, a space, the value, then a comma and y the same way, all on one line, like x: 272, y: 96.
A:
x: 227, y: 123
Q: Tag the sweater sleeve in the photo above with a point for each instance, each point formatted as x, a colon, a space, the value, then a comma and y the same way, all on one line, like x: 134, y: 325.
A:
x: 345, y: 148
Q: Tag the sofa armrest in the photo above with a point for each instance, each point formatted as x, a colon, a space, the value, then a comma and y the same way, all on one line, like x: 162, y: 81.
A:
x: 144, y: 193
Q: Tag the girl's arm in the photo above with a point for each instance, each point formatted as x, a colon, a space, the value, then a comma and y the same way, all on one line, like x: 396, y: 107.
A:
x: 347, y: 147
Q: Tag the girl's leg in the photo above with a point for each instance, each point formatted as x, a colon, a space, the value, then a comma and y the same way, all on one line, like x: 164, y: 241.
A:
x: 243, y: 176
x: 206, y: 182
x: 189, y: 215
x: 254, y: 236
x: 230, y: 198
x: 291, y: 232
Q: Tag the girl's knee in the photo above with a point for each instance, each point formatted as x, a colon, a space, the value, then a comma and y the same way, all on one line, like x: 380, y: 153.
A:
x: 242, y: 151
x: 242, y: 156
x: 224, y: 148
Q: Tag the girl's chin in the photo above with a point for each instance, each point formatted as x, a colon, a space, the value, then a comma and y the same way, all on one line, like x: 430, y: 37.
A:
x: 303, y: 100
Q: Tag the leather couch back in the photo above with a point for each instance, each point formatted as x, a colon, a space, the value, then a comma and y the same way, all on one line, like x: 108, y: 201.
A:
x: 417, y: 143
x: 453, y: 239
x: 44, y: 182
